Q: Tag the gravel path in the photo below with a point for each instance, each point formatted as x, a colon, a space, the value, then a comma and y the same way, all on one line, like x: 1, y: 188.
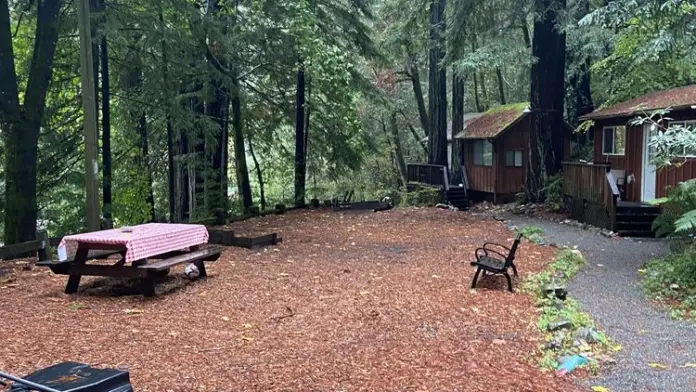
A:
x: 608, y: 288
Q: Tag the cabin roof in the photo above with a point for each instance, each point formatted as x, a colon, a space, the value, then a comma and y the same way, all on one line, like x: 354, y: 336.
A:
x: 492, y: 123
x: 676, y: 98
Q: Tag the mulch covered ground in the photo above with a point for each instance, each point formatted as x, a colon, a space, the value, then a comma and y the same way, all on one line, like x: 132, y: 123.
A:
x: 348, y: 302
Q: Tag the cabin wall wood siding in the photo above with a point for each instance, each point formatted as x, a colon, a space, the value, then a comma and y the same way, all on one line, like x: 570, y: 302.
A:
x: 498, y: 178
x: 511, y: 179
x: 632, y: 160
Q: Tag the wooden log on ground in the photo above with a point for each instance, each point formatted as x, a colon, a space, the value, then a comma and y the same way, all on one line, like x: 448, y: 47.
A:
x: 257, y: 242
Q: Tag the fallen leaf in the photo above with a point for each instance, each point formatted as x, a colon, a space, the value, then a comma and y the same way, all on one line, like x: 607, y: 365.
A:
x: 248, y: 339
x: 247, y: 325
x: 364, y: 292
x: 498, y: 341
x: 598, y: 388
x: 657, y: 365
x: 225, y: 318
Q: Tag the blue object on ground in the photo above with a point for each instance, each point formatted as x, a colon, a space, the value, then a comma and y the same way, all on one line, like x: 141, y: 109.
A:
x: 570, y: 363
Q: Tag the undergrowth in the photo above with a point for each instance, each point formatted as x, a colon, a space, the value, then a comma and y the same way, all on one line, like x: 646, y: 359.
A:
x: 672, y: 280
x: 534, y: 234
x: 565, y: 342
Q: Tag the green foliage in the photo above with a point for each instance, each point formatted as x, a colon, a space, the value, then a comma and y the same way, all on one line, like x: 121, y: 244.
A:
x: 534, y: 234
x: 553, y: 192
x: 672, y: 280
x: 678, y: 217
x: 566, y: 264
x: 422, y: 196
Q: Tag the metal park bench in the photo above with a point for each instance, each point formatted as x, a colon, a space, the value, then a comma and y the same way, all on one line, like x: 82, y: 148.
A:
x: 491, y: 259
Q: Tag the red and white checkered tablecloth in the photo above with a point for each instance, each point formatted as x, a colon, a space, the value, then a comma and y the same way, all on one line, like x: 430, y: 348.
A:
x: 143, y: 241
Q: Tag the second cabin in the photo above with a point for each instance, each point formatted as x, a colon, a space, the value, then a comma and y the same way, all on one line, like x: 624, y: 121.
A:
x: 495, y: 152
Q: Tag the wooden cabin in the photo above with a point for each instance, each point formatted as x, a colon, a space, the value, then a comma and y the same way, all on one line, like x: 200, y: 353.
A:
x: 615, y: 189
x: 495, y: 152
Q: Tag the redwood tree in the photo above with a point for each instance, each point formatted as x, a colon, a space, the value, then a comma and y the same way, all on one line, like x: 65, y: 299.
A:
x: 21, y: 122
x: 547, y: 96
x: 437, y: 97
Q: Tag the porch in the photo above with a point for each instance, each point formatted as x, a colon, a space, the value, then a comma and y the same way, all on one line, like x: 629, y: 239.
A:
x: 592, y: 196
x: 438, y: 176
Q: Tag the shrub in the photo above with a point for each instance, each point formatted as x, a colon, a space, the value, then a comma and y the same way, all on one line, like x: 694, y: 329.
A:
x: 673, y: 279
x: 678, y: 218
x: 553, y: 192
x: 422, y: 196
x: 533, y: 233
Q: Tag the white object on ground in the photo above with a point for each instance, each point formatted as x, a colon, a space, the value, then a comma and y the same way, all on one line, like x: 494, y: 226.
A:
x: 191, y: 271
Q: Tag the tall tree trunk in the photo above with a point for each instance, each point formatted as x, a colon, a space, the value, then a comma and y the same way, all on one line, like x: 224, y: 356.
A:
x: 580, y: 79
x: 396, y: 146
x: 525, y: 34
x: 21, y: 124
x: 501, y: 86
x: 419, y: 139
x: 106, y: 134
x: 437, y: 97
x: 171, y: 169
x: 217, y: 177
x: 458, y: 93
x: 259, y: 173
x: 414, y: 73
x: 477, y: 100
x: 300, y: 153
x: 242, y: 171
x: 145, y: 149
x: 547, y: 99
x: 484, y: 93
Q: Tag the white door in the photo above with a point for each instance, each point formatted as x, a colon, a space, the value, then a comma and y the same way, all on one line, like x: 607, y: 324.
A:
x: 649, y: 169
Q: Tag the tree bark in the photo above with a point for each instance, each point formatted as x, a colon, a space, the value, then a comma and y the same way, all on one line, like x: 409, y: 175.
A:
x: 300, y: 153
x: 171, y: 169
x: 396, y: 145
x: 418, y: 94
x: 437, y: 97
x: 21, y: 124
x: 501, y: 86
x: 145, y: 149
x: 259, y: 173
x: 242, y: 171
x: 106, y: 134
x: 547, y: 99
x: 458, y: 93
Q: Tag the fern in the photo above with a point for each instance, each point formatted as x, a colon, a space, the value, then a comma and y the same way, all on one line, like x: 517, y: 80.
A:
x: 678, y: 216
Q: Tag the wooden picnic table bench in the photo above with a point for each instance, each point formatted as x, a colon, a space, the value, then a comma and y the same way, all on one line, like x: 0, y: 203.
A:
x: 146, y: 252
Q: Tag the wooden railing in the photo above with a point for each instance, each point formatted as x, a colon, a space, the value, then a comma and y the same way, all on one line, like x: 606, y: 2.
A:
x: 592, y: 183
x: 434, y: 175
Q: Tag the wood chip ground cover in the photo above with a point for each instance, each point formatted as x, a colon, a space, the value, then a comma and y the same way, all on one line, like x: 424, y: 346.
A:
x: 348, y: 302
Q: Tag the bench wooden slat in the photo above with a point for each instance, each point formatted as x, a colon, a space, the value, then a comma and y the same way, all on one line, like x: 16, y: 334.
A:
x: 208, y: 254
x: 96, y: 255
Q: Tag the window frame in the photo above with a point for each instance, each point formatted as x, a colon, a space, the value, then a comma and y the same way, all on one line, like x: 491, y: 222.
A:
x: 684, y: 123
x: 613, y: 128
x: 514, y: 161
x: 482, y: 162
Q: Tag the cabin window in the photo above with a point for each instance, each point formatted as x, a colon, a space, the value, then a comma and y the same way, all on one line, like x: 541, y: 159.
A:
x: 690, y: 125
x: 513, y: 158
x: 614, y: 140
x: 483, y: 153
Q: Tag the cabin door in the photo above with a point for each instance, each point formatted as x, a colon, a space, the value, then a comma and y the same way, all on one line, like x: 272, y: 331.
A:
x: 649, y: 169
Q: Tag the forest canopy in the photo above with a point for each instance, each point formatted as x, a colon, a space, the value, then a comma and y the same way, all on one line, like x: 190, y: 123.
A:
x: 208, y: 109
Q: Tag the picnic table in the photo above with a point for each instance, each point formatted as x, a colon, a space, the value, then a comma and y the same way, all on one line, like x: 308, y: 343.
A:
x: 146, y: 252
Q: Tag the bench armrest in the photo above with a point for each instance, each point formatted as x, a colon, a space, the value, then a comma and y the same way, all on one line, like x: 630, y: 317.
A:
x: 485, y: 252
x: 487, y: 244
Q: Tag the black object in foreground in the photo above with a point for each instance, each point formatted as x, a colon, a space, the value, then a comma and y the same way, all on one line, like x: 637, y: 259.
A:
x: 72, y: 377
